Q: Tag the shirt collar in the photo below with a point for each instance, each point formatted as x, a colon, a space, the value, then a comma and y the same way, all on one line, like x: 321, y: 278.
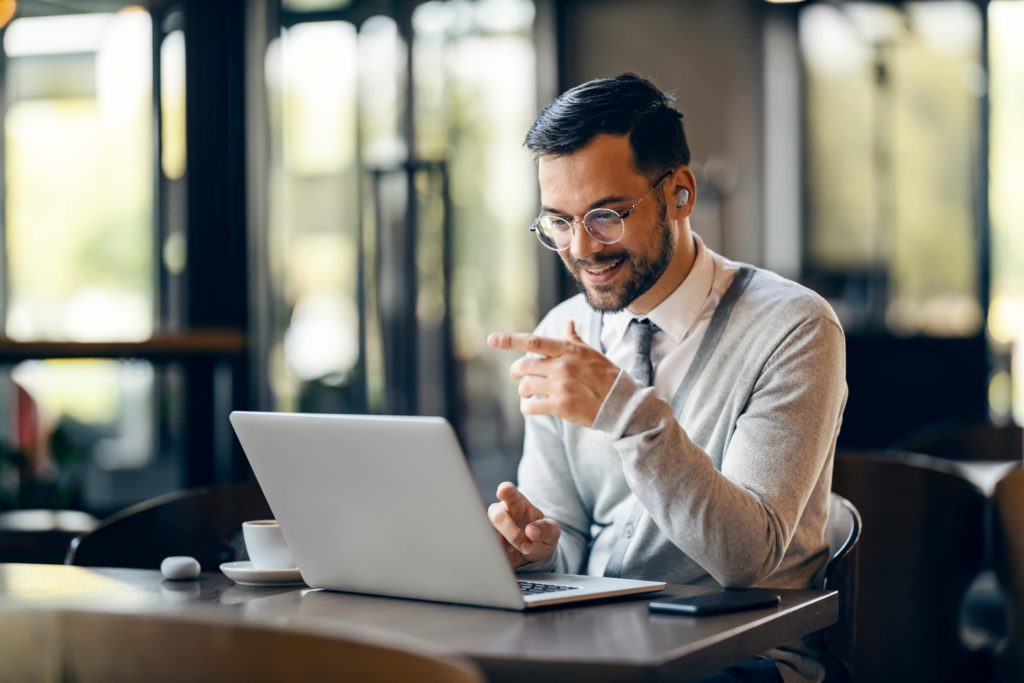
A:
x: 680, y: 309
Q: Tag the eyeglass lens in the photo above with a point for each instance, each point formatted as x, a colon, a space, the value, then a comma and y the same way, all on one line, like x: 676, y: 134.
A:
x: 604, y: 225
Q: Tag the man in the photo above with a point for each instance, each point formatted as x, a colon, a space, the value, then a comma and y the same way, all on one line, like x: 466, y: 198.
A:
x: 682, y: 411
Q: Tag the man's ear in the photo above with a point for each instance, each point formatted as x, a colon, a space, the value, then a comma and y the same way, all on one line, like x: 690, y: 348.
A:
x: 684, y: 189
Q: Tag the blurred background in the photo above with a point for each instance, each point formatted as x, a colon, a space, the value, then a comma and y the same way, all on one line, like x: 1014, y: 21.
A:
x: 322, y: 205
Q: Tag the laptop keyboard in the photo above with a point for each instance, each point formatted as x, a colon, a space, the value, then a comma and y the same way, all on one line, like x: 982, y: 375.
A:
x: 531, y: 588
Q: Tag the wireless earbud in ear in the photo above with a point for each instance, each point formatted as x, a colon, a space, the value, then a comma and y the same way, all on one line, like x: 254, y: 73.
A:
x: 682, y: 197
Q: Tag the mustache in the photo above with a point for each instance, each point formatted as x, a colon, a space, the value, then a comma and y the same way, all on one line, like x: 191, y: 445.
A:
x: 600, y: 260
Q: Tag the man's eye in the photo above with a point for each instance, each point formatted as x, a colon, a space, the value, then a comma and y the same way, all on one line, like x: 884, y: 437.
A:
x: 607, y: 216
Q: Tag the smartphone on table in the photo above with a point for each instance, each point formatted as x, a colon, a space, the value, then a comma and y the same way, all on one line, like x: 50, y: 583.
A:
x: 720, y: 602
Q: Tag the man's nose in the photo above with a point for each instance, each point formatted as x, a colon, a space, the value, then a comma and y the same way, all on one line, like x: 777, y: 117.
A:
x: 583, y: 245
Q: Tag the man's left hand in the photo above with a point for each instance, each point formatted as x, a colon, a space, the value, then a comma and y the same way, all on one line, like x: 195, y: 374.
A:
x: 564, y: 377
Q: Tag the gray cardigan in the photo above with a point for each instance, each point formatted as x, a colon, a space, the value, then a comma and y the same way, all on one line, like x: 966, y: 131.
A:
x: 733, y: 492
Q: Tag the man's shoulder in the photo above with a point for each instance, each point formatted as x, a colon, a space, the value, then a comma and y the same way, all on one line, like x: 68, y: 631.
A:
x: 769, y: 293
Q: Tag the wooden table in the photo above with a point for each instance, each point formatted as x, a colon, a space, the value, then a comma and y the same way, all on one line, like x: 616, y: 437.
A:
x: 611, y: 641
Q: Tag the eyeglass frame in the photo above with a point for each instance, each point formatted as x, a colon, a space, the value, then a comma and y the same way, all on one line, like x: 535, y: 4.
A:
x: 622, y: 217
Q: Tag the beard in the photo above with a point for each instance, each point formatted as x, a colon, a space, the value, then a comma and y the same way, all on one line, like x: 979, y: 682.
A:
x: 644, y: 269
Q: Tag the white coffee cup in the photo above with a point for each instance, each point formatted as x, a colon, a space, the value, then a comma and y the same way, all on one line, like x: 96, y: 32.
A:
x: 265, y: 545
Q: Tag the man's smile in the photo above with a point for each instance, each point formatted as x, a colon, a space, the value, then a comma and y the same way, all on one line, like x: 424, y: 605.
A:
x: 601, y: 270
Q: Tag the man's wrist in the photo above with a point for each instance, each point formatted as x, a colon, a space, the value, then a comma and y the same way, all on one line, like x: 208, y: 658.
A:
x: 617, y: 415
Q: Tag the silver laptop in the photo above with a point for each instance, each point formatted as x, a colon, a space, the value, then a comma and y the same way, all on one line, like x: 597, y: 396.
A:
x: 387, y: 506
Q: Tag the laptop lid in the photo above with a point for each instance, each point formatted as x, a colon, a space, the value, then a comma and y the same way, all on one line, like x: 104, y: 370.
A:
x: 387, y: 505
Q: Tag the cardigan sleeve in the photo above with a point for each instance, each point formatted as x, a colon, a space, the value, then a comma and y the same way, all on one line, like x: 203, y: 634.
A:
x: 737, y: 523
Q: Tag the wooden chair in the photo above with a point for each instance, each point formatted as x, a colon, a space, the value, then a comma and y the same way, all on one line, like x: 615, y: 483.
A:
x: 88, y: 647
x: 973, y: 441
x: 925, y: 545
x: 1009, y: 563
x: 840, y: 573
x: 202, y: 523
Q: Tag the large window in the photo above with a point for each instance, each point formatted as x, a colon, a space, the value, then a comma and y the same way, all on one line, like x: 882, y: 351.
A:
x: 79, y: 182
x: 1006, y: 166
x: 79, y: 262
x: 896, y: 152
x: 892, y: 109
x: 477, y: 123
x: 385, y: 229
x: 315, y: 211
x: 398, y: 203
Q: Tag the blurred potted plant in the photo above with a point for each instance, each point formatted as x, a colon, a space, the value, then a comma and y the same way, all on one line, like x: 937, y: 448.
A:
x: 40, y: 477
x: 46, y: 476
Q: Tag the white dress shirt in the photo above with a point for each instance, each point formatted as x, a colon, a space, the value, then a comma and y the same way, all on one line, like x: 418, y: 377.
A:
x: 683, y: 318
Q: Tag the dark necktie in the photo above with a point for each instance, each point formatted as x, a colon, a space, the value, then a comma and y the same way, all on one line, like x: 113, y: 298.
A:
x: 642, y: 369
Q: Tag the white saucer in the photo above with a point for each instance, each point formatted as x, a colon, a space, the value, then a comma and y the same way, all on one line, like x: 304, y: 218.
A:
x: 247, y: 575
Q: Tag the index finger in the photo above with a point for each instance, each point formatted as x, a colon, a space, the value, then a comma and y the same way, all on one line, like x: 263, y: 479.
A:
x: 516, y: 503
x: 509, y: 494
x: 527, y: 343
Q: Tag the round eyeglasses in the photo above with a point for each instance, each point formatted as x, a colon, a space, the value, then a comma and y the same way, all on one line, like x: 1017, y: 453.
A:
x: 606, y: 226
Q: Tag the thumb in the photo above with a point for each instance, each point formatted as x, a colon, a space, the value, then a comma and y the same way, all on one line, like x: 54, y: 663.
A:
x: 545, y: 531
x: 570, y: 333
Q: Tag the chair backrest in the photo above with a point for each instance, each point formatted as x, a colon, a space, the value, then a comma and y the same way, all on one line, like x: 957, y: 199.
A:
x: 840, y: 574
x: 925, y: 545
x: 202, y: 523
x: 41, y: 536
x: 843, y: 533
x: 89, y: 647
x: 972, y: 441
x: 1009, y: 564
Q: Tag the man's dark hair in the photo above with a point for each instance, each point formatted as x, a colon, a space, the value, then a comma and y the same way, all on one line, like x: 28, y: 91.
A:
x: 617, y: 106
